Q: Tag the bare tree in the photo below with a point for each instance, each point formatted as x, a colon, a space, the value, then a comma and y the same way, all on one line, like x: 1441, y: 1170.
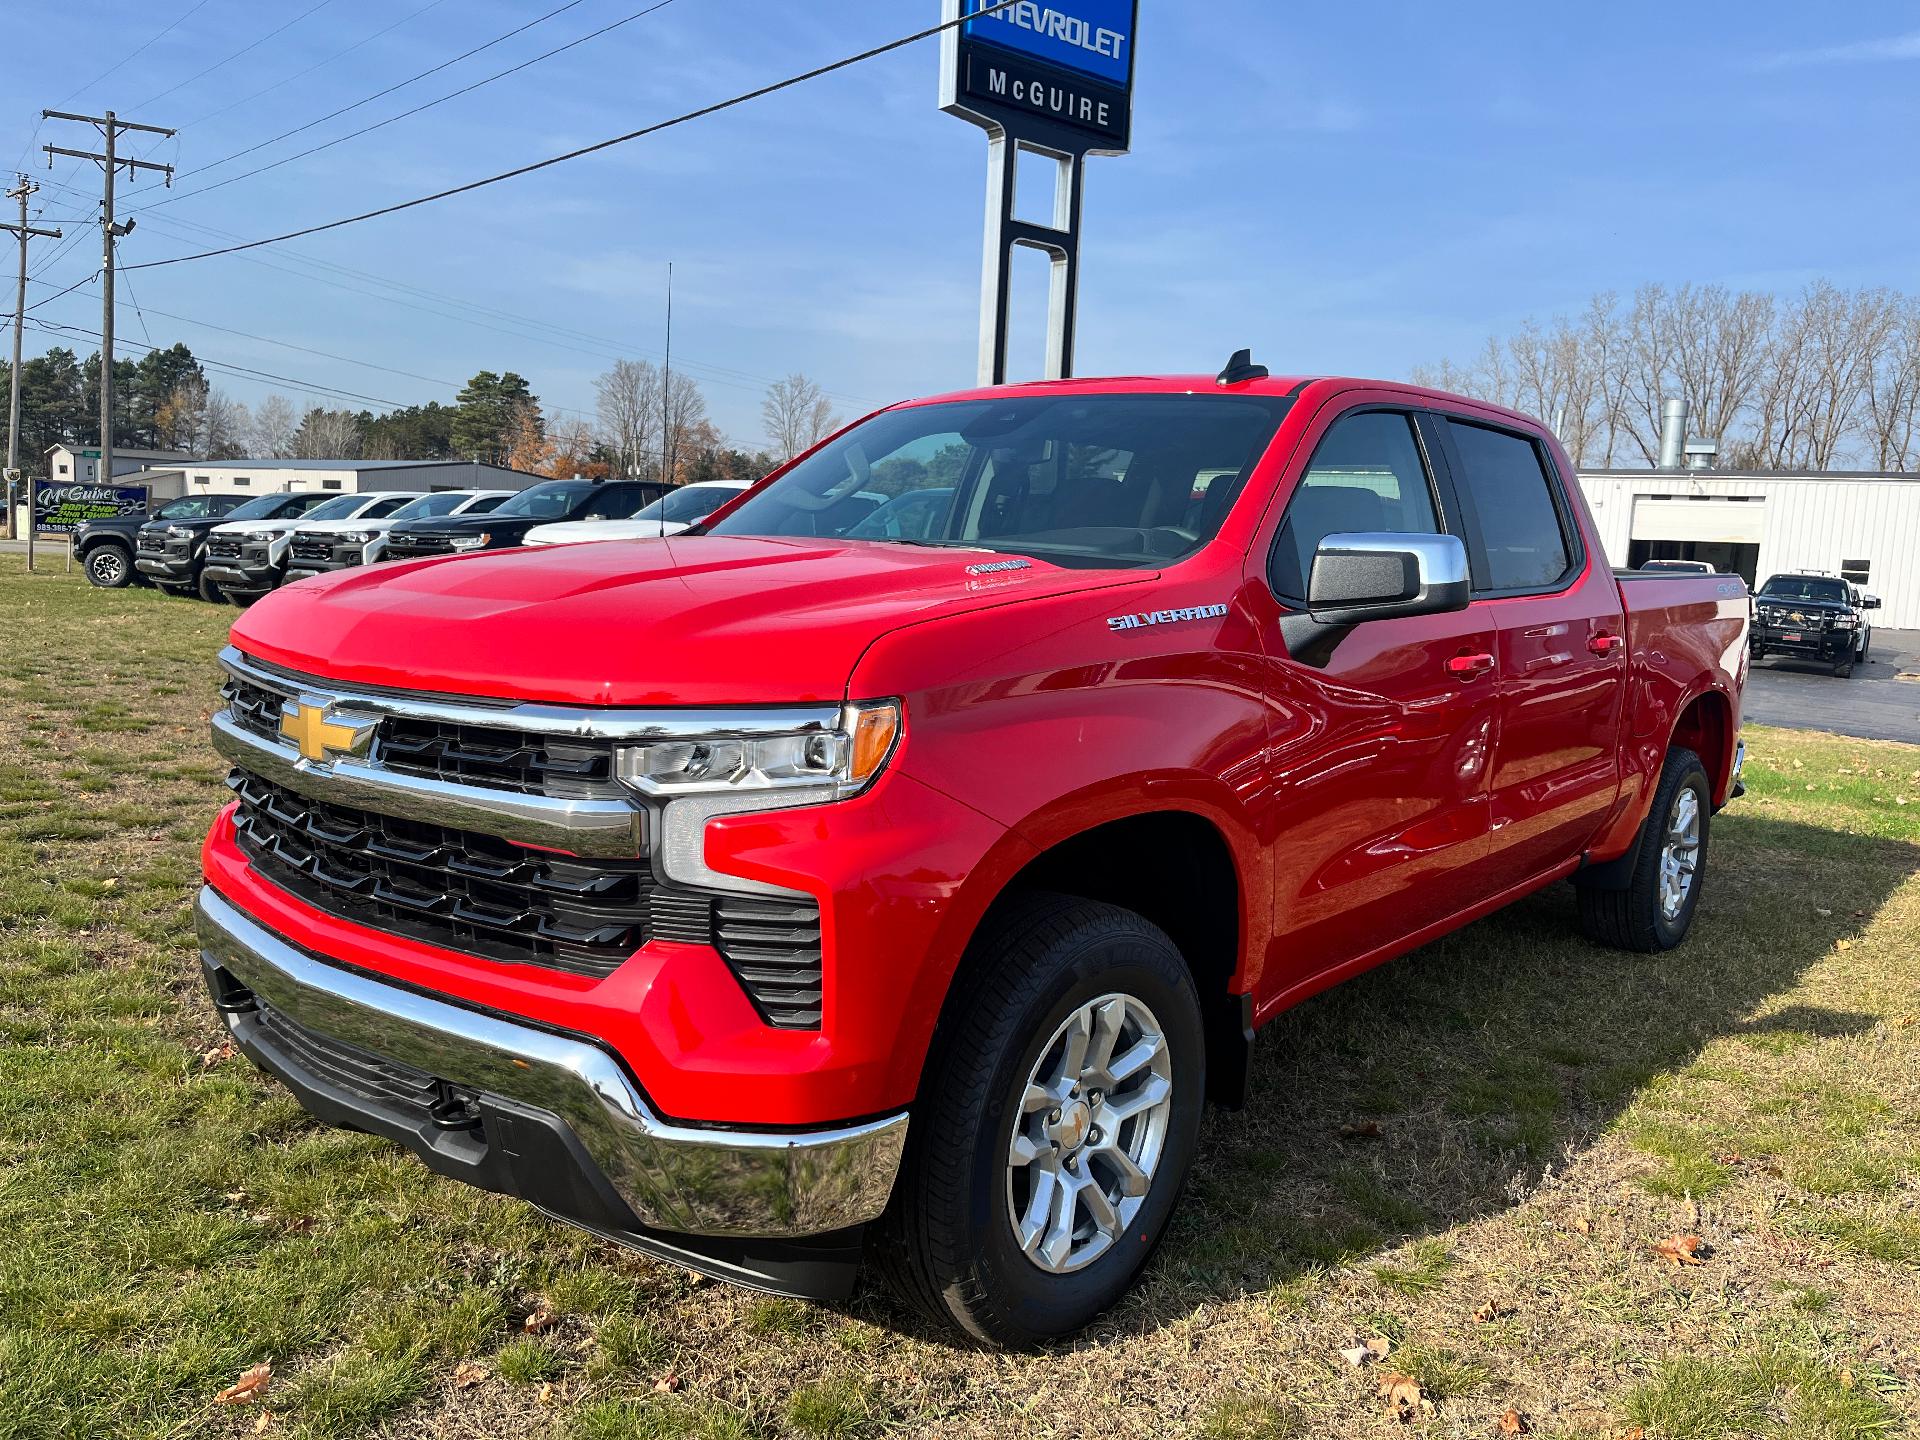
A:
x: 227, y: 427
x: 274, y: 425
x: 686, y: 426
x: 628, y: 404
x: 328, y: 435
x: 797, y: 415
x: 1893, y: 385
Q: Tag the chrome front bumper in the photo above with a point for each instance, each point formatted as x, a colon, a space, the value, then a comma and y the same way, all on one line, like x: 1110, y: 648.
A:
x: 683, y: 1179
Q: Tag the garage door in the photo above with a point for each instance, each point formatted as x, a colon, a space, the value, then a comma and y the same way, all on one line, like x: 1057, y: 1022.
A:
x: 1717, y: 518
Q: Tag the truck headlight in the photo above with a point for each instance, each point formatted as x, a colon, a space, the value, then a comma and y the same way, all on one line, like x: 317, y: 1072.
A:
x: 836, y: 763
x: 356, y: 537
x: 178, y: 532
x: 1847, y: 622
x: 470, y: 542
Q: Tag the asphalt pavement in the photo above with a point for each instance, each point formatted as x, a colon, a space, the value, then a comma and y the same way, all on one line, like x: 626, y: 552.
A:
x: 1874, y: 705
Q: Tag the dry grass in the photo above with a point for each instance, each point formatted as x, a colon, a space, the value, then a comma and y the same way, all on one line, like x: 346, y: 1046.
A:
x: 1548, y: 1111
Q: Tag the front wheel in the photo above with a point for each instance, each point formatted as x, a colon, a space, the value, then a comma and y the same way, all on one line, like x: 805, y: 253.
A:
x: 210, y: 592
x: 1654, y: 909
x: 109, y: 567
x: 1843, y: 669
x: 1055, y: 1127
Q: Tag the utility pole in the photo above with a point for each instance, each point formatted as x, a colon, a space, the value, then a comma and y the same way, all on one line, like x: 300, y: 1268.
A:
x: 20, y: 192
x: 109, y: 163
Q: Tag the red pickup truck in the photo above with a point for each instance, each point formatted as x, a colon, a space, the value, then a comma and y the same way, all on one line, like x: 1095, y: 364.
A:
x: 890, y: 869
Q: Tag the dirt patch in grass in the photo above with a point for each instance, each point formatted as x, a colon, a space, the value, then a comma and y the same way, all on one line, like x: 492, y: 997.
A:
x: 1546, y: 1113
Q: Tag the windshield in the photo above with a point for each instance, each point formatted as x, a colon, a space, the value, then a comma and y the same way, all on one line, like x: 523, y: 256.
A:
x: 445, y: 503
x: 1805, y: 587
x: 687, y: 504
x: 341, y: 507
x: 268, y: 507
x: 188, y: 507
x: 546, y: 502
x: 1127, y: 481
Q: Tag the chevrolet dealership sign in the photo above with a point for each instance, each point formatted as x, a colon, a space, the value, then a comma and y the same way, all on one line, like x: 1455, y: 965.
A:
x: 1059, y: 72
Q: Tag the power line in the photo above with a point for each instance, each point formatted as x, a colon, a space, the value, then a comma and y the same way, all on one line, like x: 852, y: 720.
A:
x: 403, y: 115
x: 243, y: 50
x: 378, y: 94
x: 124, y: 60
x: 701, y: 113
x: 317, y: 65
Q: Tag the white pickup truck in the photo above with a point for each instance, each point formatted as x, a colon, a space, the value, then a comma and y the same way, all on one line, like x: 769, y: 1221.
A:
x: 668, y: 515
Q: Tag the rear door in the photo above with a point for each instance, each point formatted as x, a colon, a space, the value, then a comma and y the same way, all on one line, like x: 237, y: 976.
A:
x: 1380, y: 730
x: 1561, y: 646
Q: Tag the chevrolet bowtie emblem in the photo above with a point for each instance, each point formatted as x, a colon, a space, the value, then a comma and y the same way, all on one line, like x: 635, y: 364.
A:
x: 319, y: 737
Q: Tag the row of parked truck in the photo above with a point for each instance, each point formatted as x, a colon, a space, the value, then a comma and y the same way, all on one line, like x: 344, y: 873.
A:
x: 239, y: 547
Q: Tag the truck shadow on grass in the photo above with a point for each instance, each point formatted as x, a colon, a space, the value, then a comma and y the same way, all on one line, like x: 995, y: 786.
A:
x: 1490, y: 1056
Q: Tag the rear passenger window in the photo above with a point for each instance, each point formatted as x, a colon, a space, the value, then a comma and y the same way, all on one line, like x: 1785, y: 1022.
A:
x: 1366, y: 475
x: 1513, y: 502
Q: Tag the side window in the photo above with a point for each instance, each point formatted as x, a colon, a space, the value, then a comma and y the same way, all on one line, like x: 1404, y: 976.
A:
x: 482, y: 506
x: 1512, y: 499
x: 1366, y: 474
x: 382, y: 508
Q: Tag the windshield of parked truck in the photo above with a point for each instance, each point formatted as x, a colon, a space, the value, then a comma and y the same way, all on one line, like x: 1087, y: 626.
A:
x: 1805, y: 587
x: 547, y: 502
x: 272, y: 507
x: 1080, y: 480
x: 687, y: 504
x: 443, y: 503
x: 341, y: 507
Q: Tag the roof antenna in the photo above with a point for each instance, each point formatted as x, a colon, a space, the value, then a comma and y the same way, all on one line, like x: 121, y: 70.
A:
x: 1241, y: 367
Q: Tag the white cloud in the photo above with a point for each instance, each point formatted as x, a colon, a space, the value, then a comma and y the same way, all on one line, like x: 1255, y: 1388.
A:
x: 1857, y: 52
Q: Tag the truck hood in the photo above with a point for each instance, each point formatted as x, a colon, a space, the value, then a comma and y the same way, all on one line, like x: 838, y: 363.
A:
x: 334, y: 527
x: 704, y: 620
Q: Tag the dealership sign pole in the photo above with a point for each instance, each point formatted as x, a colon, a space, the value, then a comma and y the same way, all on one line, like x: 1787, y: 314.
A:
x: 1051, y: 79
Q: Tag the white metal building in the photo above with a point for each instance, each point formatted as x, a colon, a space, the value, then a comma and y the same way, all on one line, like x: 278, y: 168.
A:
x: 1861, y: 525
x: 78, y: 465
x: 266, y: 477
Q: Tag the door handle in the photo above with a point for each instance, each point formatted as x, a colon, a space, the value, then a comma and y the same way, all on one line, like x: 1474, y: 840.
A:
x: 1605, y: 644
x: 1470, y: 667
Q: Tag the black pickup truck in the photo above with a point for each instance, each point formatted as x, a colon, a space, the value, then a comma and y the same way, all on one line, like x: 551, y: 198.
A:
x: 1812, y: 617
x: 508, y: 525
x: 105, y: 547
x: 173, y: 553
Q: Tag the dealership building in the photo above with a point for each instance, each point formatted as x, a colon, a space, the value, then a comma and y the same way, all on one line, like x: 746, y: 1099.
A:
x: 1862, y: 525
x: 268, y: 477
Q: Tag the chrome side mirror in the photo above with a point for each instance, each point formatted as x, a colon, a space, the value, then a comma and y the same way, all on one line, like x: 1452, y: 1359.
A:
x: 1377, y: 575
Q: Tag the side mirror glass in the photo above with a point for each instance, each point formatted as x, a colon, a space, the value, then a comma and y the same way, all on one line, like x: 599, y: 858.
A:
x: 1375, y: 575
x: 1870, y: 602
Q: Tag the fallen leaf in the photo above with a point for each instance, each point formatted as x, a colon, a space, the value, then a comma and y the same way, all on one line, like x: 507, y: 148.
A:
x: 252, y: 1382
x: 211, y: 1058
x: 1490, y: 1310
x: 260, y: 1425
x: 666, y: 1384
x: 541, y: 1317
x: 1405, y: 1401
x: 1680, y: 1250
x: 1379, y: 1346
x: 1846, y: 1379
x: 1356, y: 1355
x: 1905, y: 1021
x: 1512, y: 1422
x: 1821, y: 911
x: 1360, y: 1130
x: 546, y: 1392
x: 1843, y: 944
x: 467, y: 1374
x: 110, y: 883
x: 1583, y: 1224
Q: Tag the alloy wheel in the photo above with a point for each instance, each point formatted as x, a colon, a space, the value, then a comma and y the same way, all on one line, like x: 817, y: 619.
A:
x: 1680, y: 852
x: 1089, y: 1133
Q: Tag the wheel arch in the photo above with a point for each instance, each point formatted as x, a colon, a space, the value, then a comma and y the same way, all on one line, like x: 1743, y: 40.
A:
x: 1177, y: 868
x: 1705, y: 726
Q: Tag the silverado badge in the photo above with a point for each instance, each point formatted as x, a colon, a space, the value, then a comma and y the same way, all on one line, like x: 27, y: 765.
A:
x: 319, y: 738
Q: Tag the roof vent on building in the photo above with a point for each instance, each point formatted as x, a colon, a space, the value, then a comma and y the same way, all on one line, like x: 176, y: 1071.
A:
x: 1241, y: 367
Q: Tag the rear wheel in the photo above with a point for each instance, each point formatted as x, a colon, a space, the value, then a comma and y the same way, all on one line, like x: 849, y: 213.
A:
x: 1055, y: 1127
x: 109, y: 566
x: 1654, y: 909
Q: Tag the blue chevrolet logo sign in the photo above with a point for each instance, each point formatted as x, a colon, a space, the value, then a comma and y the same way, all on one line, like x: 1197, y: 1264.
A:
x: 1093, y: 37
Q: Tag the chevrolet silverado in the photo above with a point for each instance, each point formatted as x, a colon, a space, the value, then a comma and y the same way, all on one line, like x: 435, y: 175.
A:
x: 776, y: 899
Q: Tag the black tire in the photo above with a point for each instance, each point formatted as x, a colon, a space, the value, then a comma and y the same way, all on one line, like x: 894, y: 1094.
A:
x: 1631, y: 916
x: 1866, y: 646
x: 209, y: 592
x: 1843, y: 669
x: 109, y: 566
x: 947, y: 1244
x: 178, y: 592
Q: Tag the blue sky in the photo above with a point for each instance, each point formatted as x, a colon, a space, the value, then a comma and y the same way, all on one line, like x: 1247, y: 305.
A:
x: 1346, y: 188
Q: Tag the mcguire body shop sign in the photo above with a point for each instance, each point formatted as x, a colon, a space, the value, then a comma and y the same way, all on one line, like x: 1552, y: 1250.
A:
x: 63, y: 509
x: 1061, y: 68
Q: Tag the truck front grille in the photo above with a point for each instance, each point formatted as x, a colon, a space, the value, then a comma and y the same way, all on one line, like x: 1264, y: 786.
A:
x: 451, y: 888
x: 153, y: 544
x: 501, y: 757
x: 223, y: 547
x: 311, y: 547
x: 409, y: 546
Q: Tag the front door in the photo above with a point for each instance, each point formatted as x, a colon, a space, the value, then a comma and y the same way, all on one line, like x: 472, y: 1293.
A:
x: 1381, y: 731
